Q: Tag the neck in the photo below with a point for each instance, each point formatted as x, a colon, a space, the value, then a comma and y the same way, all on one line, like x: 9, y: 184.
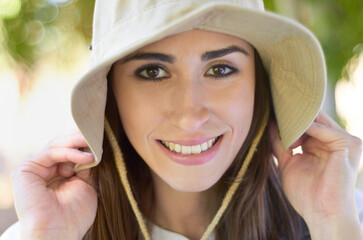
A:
x: 187, y: 213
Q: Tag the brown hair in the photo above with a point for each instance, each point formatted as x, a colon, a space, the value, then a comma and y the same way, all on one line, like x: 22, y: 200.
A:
x: 259, y: 209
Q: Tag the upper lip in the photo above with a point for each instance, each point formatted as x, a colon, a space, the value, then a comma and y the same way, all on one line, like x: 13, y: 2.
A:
x: 190, y: 142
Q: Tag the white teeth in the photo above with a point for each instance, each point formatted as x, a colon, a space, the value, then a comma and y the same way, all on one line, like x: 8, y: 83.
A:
x: 171, y: 146
x: 195, y: 149
x: 204, y: 146
x: 186, y: 149
x: 177, y: 148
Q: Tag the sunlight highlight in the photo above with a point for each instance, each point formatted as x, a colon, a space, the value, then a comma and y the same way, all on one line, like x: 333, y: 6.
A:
x: 9, y: 8
x: 6, y: 199
x: 349, y: 98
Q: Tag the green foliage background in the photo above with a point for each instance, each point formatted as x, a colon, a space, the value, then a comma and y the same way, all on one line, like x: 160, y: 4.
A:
x: 37, y: 28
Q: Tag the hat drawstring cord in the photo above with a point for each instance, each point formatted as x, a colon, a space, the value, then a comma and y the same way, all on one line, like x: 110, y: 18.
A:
x: 232, y: 189
x: 121, y: 168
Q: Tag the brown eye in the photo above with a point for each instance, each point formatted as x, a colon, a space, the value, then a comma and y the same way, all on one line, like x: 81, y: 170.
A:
x: 152, y: 72
x: 219, y: 71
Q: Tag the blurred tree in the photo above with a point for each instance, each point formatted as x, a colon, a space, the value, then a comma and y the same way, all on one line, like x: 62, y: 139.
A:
x: 34, y: 28
x: 42, y: 28
x: 338, y: 26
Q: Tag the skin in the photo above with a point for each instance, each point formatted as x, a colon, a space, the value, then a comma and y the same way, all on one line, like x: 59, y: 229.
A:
x: 186, y: 104
x: 320, y: 183
x: 50, y: 197
x: 51, y: 200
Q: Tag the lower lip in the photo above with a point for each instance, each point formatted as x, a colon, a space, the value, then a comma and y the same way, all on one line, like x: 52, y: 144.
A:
x: 192, y: 159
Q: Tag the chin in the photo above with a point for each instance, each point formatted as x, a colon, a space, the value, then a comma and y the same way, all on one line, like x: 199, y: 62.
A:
x: 191, y: 184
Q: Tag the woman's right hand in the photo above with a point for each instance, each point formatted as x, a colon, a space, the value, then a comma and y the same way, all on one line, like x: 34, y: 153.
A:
x: 51, y: 200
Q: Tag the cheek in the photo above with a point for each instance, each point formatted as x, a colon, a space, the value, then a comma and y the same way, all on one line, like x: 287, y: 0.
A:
x: 238, y: 115
x: 242, y: 116
x: 235, y: 106
x: 138, y: 114
x: 129, y: 112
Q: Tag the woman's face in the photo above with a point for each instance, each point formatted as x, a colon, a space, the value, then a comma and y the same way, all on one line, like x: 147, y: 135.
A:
x: 186, y: 105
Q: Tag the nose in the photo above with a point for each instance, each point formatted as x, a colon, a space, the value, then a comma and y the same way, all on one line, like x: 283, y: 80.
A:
x: 190, y: 106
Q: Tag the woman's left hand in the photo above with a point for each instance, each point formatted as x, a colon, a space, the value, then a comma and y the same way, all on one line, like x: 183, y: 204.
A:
x: 320, y: 182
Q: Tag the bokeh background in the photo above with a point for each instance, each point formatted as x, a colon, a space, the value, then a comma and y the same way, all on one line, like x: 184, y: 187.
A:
x: 44, y: 50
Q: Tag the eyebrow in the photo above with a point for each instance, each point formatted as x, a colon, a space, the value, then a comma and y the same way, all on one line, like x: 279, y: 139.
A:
x: 151, y: 56
x: 171, y: 59
x: 223, y: 52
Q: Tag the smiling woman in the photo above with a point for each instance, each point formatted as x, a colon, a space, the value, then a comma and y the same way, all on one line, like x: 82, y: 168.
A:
x: 194, y: 92
x: 188, y: 117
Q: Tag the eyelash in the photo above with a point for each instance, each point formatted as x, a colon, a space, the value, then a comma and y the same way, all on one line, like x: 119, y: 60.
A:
x: 138, y: 72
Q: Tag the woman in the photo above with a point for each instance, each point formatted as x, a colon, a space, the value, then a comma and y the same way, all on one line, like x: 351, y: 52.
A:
x: 189, y: 106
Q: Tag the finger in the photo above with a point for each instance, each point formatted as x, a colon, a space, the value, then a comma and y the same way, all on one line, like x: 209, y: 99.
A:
x: 33, y: 172
x: 337, y: 140
x: 54, y: 156
x: 52, y: 162
x: 72, y: 140
x: 326, y: 134
x: 328, y: 121
x: 276, y: 144
x: 299, y: 141
x: 315, y: 148
x: 66, y: 169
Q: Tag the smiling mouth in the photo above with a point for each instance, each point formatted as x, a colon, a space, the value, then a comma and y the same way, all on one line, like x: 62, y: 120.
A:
x: 187, y: 150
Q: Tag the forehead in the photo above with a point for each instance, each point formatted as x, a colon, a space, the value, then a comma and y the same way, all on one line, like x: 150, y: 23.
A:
x: 196, y: 41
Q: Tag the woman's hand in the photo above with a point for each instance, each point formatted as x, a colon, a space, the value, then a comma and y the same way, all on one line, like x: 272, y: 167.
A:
x: 320, y: 182
x: 51, y: 200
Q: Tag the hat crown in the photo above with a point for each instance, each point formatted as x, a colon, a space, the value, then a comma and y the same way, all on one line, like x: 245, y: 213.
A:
x: 114, y: 12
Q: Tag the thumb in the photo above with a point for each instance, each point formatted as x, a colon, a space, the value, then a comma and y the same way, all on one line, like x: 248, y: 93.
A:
x: 277, y: 148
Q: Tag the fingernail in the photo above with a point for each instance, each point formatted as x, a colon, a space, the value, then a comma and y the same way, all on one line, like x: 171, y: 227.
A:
x: 88, y: 154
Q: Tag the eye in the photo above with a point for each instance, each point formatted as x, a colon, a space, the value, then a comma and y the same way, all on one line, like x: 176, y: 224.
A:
x: 152, y: 72
x: 220, y: 71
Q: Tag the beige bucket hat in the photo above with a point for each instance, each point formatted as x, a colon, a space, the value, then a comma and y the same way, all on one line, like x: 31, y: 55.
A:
x: 290, y: 53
